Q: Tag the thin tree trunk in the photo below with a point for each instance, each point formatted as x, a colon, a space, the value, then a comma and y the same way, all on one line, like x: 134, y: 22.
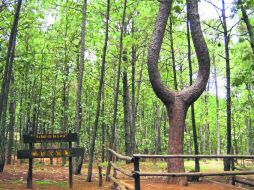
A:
x: 80, y: 85
x: 172, y: 51
x: 133, y: 100
x: 226, y: 43
x: 127, y: 115
x: 6, y: 83
x: 217, y: 107
x: 96, y: 122
x: 193, y: 119
x: 12, y: 110
x: 113, y: 128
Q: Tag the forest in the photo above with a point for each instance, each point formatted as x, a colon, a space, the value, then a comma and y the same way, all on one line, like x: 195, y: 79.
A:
x: 136, y: 76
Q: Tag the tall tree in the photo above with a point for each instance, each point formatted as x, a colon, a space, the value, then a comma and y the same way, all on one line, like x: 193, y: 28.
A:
x: 113, y: 127
x: 80, y: 82
x: 177, y: 103
x: 193, y: 118
x: 228, y: 87
x: 99, y: 96
x: 6, y: 82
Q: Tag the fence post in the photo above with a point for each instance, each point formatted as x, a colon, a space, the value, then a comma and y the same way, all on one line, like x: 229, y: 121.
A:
x: 110, y: 156
x: 233, y: 168
x: 70, y: 168
x: 136, y: 174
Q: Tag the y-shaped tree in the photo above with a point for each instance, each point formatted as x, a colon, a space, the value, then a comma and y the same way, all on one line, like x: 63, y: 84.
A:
x: 177, y: 103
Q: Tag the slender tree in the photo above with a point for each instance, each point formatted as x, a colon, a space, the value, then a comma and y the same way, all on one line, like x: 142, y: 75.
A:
x: 193, y: 118
x: 177, y: 103
x: 96, y: 122
x: 6, y: 82
x: 113, y: 128
x: 80, y: 82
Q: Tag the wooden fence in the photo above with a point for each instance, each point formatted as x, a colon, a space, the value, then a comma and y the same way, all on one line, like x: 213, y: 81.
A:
x: 136, y: 174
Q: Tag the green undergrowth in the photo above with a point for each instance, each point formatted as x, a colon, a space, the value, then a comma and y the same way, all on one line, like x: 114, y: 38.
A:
x: 49, y: 182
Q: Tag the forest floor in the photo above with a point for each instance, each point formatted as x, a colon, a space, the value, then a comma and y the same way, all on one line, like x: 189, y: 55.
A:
x: 56, y: 177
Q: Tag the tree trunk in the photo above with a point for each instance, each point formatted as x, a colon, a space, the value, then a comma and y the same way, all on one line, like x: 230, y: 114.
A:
x: 80, y: 85
x: 127, y: 115
x: 217, y: 106
x: 193, y: 119
x: 226, y: 43
x: 12, y: 110
x: 177, y: 115
x: 65, y: 92
x: 96, y: 122
x: 6, y: 83
x: 133, y: 98
x: 177, y: 103
x: 113, y: 128
x: 172, y: 51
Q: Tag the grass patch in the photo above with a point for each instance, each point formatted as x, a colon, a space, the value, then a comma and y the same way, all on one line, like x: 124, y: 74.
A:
x: 48, y: 182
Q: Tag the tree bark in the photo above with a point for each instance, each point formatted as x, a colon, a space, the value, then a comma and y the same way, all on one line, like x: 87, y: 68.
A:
x: 127, y: 115
x: 113, y: 128
x: 96, y: 122
x: 193, y: 119
x: 12, y: 110
x: 80, y: 84
x: 172, y: 51
x: 228, y: 93
x: 177, y: 103
x: 217, y: 106
x: 6, y: 83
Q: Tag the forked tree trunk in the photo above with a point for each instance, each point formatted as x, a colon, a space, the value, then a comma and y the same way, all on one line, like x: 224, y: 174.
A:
x: 177, y: 103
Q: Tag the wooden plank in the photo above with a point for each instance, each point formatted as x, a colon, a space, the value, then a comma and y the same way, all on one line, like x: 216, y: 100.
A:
x: 193, y: 156
x: 50, y: 153
x: 120, y: 170
x: 119, y: 156
x: 122, y: 187
x: 61, y: 137
x: 244, y: 181
x: 225, y: 173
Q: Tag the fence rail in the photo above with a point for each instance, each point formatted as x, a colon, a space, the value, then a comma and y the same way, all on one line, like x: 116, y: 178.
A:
x: 136, y: 174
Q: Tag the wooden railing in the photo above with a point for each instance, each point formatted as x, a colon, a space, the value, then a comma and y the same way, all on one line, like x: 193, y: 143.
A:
x: 136, y: 174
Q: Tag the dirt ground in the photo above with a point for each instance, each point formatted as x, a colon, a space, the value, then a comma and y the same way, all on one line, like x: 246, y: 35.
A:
x: 56, y: 178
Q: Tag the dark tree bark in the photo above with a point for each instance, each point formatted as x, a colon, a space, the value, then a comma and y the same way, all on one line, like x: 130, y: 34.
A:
x: 96, y: 122
x: 248, y: 24
x: 6, y: 83
x: 228, y: 97
x: 193, y: 118
x: 133, y: 98
x: 103, y: 127
x: 80, y: 84
x: 177, y: 103
x: 127, y: 115
x: 172, y: 51
x: 12, y: 110
x: 53, y: 106
x: 113, y: 127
